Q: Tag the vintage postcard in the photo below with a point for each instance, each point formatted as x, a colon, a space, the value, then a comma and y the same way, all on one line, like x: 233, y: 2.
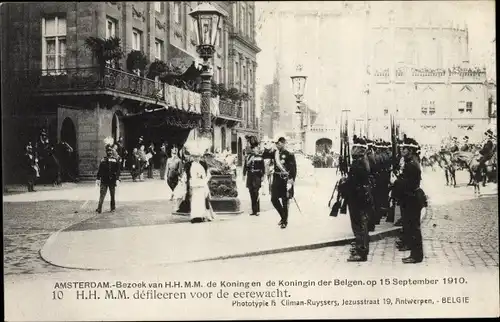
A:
x: 192, y: 160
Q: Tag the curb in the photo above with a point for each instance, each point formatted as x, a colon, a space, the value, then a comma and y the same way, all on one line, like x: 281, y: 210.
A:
x: 339, y: 242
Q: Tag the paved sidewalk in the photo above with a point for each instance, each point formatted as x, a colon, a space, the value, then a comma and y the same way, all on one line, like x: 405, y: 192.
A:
x: 169, y: 244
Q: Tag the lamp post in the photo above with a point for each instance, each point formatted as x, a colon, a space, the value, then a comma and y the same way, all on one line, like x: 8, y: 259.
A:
x: 299, y: 85
x: 206, y: 19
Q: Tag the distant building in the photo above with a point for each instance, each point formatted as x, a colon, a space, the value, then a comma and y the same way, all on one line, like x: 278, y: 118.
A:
x: 392, y: 63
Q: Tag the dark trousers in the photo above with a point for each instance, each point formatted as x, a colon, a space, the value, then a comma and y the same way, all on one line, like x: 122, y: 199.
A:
x: 359, y: 223
x: 150, y: 171
x: 254, y: 197
x: 279, y: 197
x: 31, y: 183
x: 173, y: 181
x: 103, y: 190
x: 412, y: 233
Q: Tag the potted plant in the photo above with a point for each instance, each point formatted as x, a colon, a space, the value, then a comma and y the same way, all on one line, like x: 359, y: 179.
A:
x: 137, y: 62
x: 156, y: 69
x: 215, y: 89
x: 105, y: 50
x: 222, y: 91
x: 222, y: 186
x: 233, y: 94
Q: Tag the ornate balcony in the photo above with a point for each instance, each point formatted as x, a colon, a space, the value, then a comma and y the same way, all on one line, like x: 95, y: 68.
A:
x: 229, y: 110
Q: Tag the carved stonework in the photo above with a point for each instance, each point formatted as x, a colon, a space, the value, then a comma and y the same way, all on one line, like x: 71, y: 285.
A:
x: 233, y: 52
x: 160, y: 25
x: 137, y: 14
x: 178, y: 34
x: 240, y: 56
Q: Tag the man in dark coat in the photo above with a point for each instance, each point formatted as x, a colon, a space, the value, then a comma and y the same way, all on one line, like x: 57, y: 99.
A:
x: 31, y: 169
x: 285, y: 172
x: 254, y: 169
x: 358, y: 195
x: 162, y: 159
x: 412, y: 200
x: 108, y: 177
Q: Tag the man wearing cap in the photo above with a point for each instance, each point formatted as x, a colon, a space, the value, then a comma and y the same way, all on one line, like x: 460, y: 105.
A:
x: 374, y: 162
x: 487, y: 149
x: 412, y: 200
x: 382, y: 178
x: 358, y: 195
x: 254, y: 169
x: 285, y: 172
x: 31, y: 168
x: 108, y: 177
x: 465, y: 144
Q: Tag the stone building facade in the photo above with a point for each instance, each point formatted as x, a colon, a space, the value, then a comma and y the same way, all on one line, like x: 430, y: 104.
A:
x: 405, y: 59
x: 52, y: 80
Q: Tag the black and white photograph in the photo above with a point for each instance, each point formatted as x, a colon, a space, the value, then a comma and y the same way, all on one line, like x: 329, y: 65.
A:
x: 235, y: 160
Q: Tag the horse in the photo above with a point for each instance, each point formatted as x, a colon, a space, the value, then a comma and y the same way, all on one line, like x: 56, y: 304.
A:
x: 478, y: 174
x: 444, y: 160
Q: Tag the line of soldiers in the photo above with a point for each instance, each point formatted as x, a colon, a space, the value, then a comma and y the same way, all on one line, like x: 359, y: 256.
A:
x: 376, y: 176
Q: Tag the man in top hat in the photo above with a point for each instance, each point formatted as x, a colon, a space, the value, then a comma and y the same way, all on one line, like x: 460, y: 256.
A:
x: 254, y: 169
x: 358, y: 195
x: 108, y: 177
x: 412, y: 200
x: 285, y: 172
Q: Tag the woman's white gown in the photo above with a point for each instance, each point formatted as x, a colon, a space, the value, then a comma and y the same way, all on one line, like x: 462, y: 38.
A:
x: 199, y: 186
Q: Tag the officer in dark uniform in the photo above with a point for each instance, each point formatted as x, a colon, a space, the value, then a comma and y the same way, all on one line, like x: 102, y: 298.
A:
x: 412, y: 200
x: 487, y: 148
x: 357, y: 193
x: 373, y: 163
x: 382, y: 179
x: 254, y: 169
x: 108, y: 176
x: 285, y: 172
x: 30, y: 168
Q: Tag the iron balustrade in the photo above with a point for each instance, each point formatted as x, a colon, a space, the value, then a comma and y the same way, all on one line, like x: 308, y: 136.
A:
x: 229, y: 109
x: 89, y: 78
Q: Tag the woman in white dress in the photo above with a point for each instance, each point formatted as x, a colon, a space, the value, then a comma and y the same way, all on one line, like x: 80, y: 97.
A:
x: 197, y: 179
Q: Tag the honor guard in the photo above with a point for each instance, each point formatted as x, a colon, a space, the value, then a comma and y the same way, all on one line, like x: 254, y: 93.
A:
x: 285, y: 172
x: 487, y: 149
x: 359, y: 199
x: 254, y: 169
x: 108, y: 177
x: 382, y: 180
x: 412, y: 200
x: 373, y: 163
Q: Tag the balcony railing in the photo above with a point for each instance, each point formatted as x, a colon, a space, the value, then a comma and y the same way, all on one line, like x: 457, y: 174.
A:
x: 228, y: 109
x: 89, y: 79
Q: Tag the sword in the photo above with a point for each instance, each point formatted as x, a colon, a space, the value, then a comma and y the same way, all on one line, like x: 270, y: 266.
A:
x: 295, y: 200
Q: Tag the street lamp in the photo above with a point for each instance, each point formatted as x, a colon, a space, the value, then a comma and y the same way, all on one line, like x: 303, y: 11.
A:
x: 299, y: 85
x: 206, y: 20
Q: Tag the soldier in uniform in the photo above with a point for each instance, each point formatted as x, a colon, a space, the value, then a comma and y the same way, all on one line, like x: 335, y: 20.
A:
x: 285, y: 172
x: 31, y: 168
x: 382, y: 179
x: 254, y: 169
x: 108, y: 177
x: 412, y: 200
x: 357, y: 193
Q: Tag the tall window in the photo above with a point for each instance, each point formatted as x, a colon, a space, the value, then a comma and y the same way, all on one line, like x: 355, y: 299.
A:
x: 158, y: 49
x: 468, y: 107
x: 249, y: 25
x: 432, y: 107
x: 136, y: 39
x: 244, y: 74
x: 110, y: 28
x: 158, y: 6
x: 461, y: 107
x: 424, y: 107
x: 219, y: 37
x: 177, y: 12
x: 237, y: 69
x: 242, y: 19
x: 219, y: 73
x: 54, y: 44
